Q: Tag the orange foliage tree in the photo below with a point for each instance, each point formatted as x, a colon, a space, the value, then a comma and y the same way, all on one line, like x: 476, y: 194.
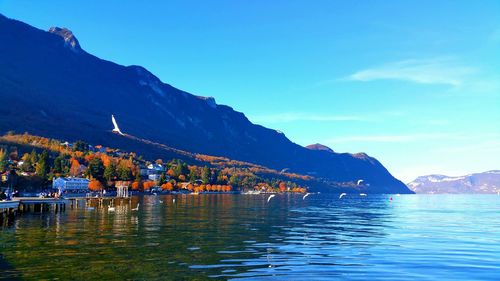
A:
x: 75, y: 168
x: 282, y: 187
x: 167, y: 186
x: 95, y: 185
x: 147, y: 185
x: 136, y: 185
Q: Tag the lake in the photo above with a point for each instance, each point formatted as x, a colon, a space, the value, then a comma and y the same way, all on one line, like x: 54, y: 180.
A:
x: 212, y: 237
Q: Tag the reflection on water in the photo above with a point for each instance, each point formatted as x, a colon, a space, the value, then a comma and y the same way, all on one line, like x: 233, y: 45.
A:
x: 238, y: 236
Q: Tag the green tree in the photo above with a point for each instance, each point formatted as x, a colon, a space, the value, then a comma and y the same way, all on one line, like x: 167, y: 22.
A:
x: 249, y: 182
x: 192, y: 175
x: 234, y: 180
x: 96, y: 169
x: 110, y: 172
x: 3, y: 160
x: 215, y: 176
x: 81, y: 146
x: 163, y: 179
x: 59, y: 163
x: 42, y: 166
x: 124, y: 173
x: 33, y: 157
x: 205, y: 175
x: 27, y: 165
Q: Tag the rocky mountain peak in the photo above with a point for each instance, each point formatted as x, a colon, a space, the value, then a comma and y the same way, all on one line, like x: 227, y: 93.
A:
x: 68, y: 36
x: 318, y: 146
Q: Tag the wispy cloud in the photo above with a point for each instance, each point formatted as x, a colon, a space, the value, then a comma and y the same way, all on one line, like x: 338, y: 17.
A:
x: 301, y: 116
x: 444, y: 71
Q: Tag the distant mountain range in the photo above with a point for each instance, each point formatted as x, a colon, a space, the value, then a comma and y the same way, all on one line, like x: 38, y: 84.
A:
x: 487, y: 182
x: 52, y: 87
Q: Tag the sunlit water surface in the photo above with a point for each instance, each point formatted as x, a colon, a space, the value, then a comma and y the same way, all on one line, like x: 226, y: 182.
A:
x: 412, y: 237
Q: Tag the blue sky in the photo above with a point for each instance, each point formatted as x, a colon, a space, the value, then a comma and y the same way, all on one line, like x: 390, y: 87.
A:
x: 414, y: 83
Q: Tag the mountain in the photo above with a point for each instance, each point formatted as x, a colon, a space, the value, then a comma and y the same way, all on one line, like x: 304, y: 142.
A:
x: 56, y: 89
x: 318, y: 146
x: 487, y: 182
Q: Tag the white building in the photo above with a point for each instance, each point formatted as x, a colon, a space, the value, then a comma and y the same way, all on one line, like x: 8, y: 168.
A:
x: 152, y: 169
x: 156, y: 167
x: 154, y: 177
x: 71, y: 185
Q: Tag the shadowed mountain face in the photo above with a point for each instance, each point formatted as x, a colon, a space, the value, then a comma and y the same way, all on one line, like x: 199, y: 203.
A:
x: 51, y: 87
x: 487, y: 182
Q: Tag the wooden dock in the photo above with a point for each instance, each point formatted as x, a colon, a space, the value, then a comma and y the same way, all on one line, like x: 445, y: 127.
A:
x: 41, y: 204
x: 10, y: 208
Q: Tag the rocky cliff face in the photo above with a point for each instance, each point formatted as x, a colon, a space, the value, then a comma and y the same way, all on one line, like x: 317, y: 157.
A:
x: 68, y: 37
x: 487, y: 182
x: 56, y: 89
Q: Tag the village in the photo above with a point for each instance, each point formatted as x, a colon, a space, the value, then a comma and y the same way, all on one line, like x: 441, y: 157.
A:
x: 78, y: 169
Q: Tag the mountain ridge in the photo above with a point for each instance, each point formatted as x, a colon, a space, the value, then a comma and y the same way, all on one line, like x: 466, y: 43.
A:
x: 485, y: 182
x: 71, y: 95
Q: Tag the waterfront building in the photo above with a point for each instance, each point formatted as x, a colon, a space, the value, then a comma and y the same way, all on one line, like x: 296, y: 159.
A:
x: 71, y: 185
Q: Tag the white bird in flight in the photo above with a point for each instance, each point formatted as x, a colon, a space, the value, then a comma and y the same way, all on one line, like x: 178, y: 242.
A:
x: 360, y: 181
x: 342, y: 195
x: 136, y: 208
x: 115, y: 129
x: 307, y: 194
x: 270, y: 197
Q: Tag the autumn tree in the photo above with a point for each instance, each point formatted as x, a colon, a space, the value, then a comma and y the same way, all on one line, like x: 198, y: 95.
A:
x: 167, y: 186
x: 170, y: 173
x: 75, y: 168
x: 147, y: 185
x: 95, y: 185
x: 136, y: 185
x: 282, y: 187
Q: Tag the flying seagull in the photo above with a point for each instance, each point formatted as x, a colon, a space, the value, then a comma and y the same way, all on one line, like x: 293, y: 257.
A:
x: 307, y: 194
x: 360, y: 182
x: 115, y: 129
x: 342, y: 195
x: 270, y: 197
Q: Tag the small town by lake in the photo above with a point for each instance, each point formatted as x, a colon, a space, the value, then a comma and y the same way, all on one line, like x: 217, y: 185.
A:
x: 237, y: 236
